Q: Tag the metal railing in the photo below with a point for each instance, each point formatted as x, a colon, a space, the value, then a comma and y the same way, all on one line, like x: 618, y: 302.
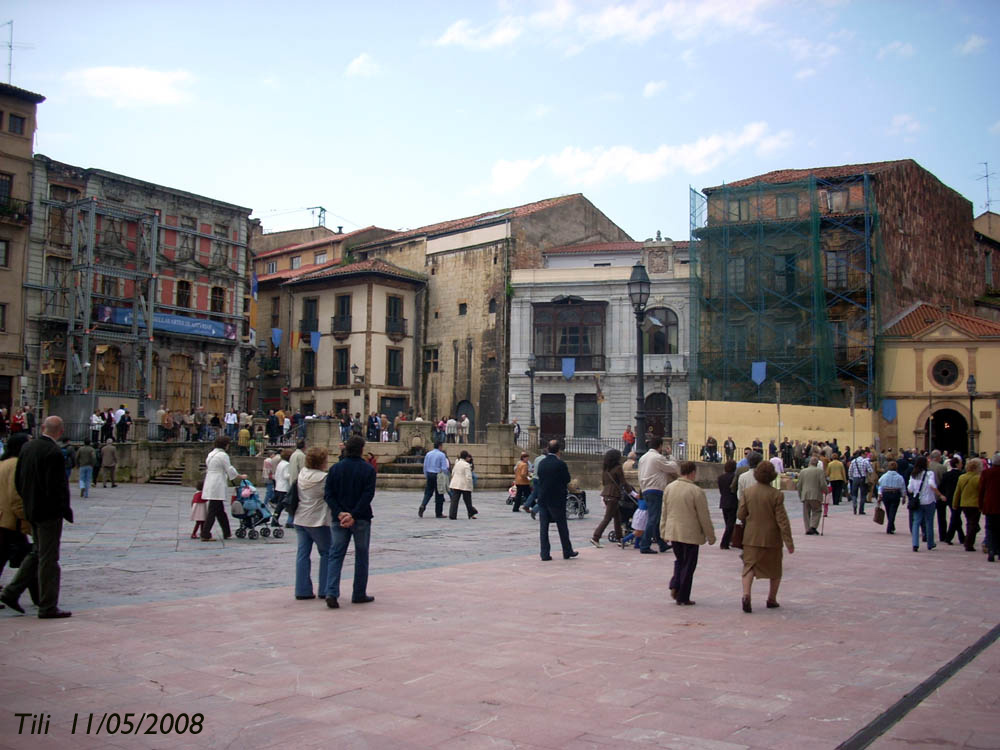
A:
x: 308, y: 325
x: 15, y: 210
x: 340, y: 324
x: 269, y: 364
x: 584, y: 363
x: 395, y: 328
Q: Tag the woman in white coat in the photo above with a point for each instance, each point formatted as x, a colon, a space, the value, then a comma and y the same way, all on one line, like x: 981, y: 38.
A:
x: 218, y: 473
x: 461, y: 485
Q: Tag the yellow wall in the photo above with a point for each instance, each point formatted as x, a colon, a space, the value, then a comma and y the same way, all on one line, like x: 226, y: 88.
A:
x: 746, y: 421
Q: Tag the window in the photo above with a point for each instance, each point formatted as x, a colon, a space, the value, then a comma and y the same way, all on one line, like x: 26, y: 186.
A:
x: 3, y: 317
x: 394, y: 367
x: 788, y: 206
x: 493, y: 305
x: 275, y: 311
x: 109, y: 286
x: 308, y: 368
x: 463, y: 308
x: 945, y: 372
x: 393, y: 308
x: 662, y: 340
x: 4, y: 253
x: 571, y: 329
x: 836, y: 199
x: 739, y: 209
x: 586, y: 415
x: 183, y: 294
x: 6, y: 186
x: 784, y: 337
x: 320, y: 258
x: 341, y: 366
x: 784, y: 273
x: 296, y: 262
x: 835, y: 274
x: 343, y: 303
x: 430, y: 360
x: 15, y: 124
x: 246, y: 321
x: 271, y: 267
x: 736, y: 275
x: 310, y: 315
x: 189, y: 222
x: 218, y: 301
x: 737, y: 341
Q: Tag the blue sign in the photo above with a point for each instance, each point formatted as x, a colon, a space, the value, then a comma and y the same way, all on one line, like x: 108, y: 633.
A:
x: 889, y: 409
x: 758, y: 372
x: 568, y: 367
x: 122, y: 316
x: 314, y: 340
x: 276, y: 337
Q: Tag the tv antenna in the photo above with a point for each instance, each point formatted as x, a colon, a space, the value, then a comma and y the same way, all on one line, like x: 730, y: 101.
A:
x: 10, y: 49
x: 987, y: 174
x: 322, y: 215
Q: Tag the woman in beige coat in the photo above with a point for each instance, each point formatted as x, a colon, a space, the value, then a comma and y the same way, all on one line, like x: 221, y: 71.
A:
x: 686, y: 524
x: 461, y: 486
x: 762, y: 510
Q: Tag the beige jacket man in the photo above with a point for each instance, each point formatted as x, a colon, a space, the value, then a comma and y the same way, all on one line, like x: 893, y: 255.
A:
x: 685, y: 514
x: 812, y: 486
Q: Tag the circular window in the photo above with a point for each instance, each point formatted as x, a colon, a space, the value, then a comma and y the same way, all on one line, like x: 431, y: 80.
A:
x: 945, y: 372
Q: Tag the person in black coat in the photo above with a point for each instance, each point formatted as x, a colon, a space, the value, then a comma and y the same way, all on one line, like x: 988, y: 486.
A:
x: 728, y: 502
x: 349, y: 491
x: 553, y: 478
x: 40, y: 480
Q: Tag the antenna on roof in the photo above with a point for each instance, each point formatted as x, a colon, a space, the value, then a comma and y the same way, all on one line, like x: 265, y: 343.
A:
x: 987, y: 174
x: 322, y: 215
x: 10, y: 49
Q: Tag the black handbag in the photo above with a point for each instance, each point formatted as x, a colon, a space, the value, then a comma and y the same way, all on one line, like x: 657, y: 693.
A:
x: 913, y: 501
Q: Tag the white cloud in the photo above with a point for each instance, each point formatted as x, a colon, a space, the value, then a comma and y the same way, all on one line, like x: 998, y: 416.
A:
x: 896, y: 49
x: 463, y: 34
x: 133, y: 87
x: 806, y: 49
x: 904, y: 125
x: 971, y: 45
x: 653, y: 88
x: 996, y: 128
x: 589, y: 167
x: 362, y: 66
x: 805, y: 73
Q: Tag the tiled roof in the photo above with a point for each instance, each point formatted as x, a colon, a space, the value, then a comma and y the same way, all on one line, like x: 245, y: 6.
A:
x: 682, y: 245
x: 921, y: 316
x: 375, y: 266
x: 470, y: 221
x: 781, y: 176
x: 29, y: 96
x: 289, y: 273
x: 595, y: 247
x: 330, y: 239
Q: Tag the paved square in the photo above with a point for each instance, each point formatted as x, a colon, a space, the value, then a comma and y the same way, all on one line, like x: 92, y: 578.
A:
x: 474, y: 642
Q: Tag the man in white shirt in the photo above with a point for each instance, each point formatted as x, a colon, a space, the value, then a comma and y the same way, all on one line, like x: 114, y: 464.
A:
x: 656, y: 471
x: 463, y: 429
x: 231, y: 420
x: 857, y: 477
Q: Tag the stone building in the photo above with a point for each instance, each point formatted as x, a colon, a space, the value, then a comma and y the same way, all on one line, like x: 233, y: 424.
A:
x: 17, y: 130
x: 574, y: 315
x: 133, y: 251
x: 793, y: 271
x: 463, y: 326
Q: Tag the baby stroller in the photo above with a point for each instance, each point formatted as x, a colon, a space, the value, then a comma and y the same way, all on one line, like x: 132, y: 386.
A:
x: 252, y: 513
x: 626, y: 508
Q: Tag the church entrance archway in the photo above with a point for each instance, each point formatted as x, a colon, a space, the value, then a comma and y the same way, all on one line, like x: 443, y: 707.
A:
x: 950, y: 431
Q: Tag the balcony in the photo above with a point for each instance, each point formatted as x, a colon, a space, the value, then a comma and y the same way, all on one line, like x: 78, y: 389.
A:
x: 269, y: 364
x: 308, y: 325
x: 307, y: 380
x: 340, y: 326
x: 395, y: 328
x: 13, y: 211
x: 584, y: 363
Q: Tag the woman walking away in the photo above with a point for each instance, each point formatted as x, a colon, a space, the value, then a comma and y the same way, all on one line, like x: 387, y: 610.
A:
x: 461, y: 486
x: 14, y: 526
x: 762, y: 510
x: 282, y: 483
x: 923, y: 494
x: 312, y: 524
x: 727, y: 502
x: 215, y: 489
x: 522, y: 482
x: 613, y: 479
x: 966, y: 501
x: 891, y: 487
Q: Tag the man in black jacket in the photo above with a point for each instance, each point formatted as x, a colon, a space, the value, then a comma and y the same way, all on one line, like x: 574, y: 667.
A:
x: 40, y: 480
x: 349, y: 491
x: 553, y: 477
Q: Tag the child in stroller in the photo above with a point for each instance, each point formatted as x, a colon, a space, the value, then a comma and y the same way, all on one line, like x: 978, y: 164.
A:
x: 636, y: 525
x: 252, y: 513
x: 627, y: 508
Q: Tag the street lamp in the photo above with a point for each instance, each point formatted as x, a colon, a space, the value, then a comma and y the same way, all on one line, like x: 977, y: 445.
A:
x: 354, y: 372
x: 530, y: 372
x: 668, y: 370
x: 970, y: 385
x: 638, y: 294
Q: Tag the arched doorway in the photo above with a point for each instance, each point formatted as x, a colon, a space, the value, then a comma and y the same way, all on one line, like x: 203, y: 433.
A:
x: 950, y: 431
x: 466, y: 408
x: 659, y: 415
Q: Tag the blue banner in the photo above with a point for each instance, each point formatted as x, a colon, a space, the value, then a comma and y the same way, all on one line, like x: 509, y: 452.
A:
x: 758, y: 372
x: 122, y: 316
x: 276, y: 337
x: 568, y: 367
x: 889, y: 409
x: 253, y: 285
x: 314, y: 340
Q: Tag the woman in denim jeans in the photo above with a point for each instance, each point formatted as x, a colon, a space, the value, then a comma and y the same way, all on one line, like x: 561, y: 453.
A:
x: 923, y: 486
x: 312, y: 524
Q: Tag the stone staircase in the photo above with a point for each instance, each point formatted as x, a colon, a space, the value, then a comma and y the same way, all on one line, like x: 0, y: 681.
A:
x: 171, y: 476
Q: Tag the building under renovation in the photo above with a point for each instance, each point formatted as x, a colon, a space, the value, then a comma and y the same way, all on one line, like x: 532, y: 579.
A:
x: 792, y: 272
x: 135, y: 293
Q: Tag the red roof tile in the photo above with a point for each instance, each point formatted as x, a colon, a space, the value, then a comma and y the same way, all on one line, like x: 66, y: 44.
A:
x: 595, y: 247
x: 922, y: 316
x: 470, y: 221
x: 289, y: 273
x: 331, y: 239
x: 375, y: 266
x: 781, y: 176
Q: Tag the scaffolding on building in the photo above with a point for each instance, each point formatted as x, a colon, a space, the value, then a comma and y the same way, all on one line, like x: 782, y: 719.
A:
x: 787, y: 274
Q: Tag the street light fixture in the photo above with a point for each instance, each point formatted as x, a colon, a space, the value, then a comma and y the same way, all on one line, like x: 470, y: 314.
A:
x: 970, y: 385
x: 530, y: 372
x: 354, y: 372
x: 668, y: 371
x: 638, y: 294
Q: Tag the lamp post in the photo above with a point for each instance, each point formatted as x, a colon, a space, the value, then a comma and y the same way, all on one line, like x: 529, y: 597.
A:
x: 970, y: 385
x: 638, y: 294
x: 530, y: 372
x: 354, y: 372
x: 668, y: 412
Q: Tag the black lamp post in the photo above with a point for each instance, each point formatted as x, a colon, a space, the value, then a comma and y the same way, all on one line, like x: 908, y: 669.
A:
x: 970, y: 385
x: 530, y: 372
x: 354, y: 373
x: 668, y: 370
x: 638, y: 294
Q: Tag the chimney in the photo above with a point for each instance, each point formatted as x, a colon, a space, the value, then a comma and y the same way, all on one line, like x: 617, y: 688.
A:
x: 340, y: 230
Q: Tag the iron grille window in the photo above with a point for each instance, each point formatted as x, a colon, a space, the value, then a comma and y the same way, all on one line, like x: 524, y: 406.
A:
x: 430, y: 360
x: 394, y: 367
x: 6, y: 186
x: 586, y: 415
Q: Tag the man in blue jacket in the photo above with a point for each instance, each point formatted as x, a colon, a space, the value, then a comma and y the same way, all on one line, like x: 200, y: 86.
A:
x: 349, y: 491
x: 553, y: 477
x: 434, y: 463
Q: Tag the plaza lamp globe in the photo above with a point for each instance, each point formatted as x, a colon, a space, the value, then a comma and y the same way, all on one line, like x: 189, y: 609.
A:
x: 638, y: 288
x: 638, y: 294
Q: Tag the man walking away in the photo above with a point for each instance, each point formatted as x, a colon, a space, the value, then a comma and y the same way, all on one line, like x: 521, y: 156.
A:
x: 687, y: 524
x: 434, y: 463
x: 812, y: 486
x: 656, y: 471
x: 349, y: 491
x: 40, y: 480
x: 553, y: 478
x: 296, y: 462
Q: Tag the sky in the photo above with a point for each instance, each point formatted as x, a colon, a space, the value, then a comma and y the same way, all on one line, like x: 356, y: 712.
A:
x: 401, y: 114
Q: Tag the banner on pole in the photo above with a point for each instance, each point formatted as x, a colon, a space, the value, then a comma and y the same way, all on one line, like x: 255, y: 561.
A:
x: 758, y: 372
